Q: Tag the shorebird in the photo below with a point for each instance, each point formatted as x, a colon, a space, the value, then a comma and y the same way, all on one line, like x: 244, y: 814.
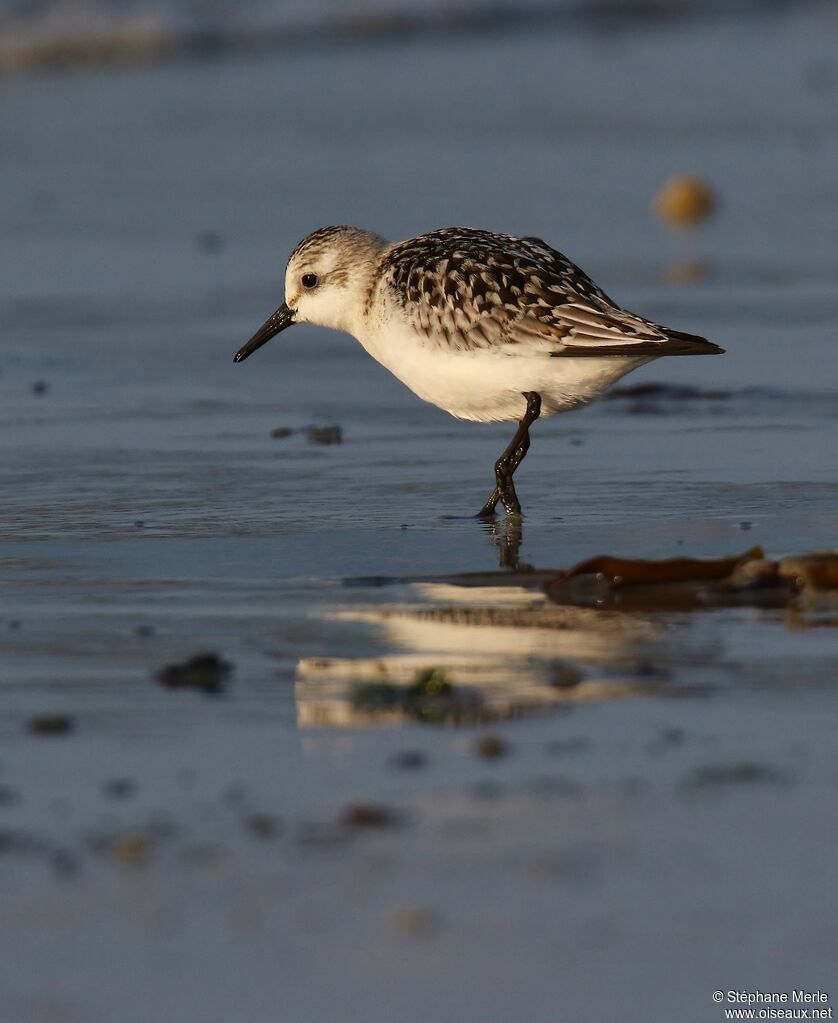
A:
x: 486, y: 326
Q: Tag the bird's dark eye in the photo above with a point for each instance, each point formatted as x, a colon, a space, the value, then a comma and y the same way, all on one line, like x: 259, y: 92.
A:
x: 309, y: 280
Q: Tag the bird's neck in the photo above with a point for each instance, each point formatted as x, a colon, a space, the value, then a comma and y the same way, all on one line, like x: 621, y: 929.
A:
x: 362, y: 315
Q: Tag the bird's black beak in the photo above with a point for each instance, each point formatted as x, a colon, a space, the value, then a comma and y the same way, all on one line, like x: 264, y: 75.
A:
x: 276, y: 322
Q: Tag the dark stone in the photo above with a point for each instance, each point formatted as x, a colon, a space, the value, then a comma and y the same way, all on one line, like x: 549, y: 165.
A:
x: 262, y: 825
x: 324, y: 435
x: 367, y: 815
x: 204, y: 672
x: 409, y: 760
x: 50, y: 724
x: 744, y: 772
x: 490, y: 747
x: 119, y: 788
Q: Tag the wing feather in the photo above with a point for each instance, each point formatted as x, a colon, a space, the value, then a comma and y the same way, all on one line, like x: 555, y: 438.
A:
x: 468, y: 289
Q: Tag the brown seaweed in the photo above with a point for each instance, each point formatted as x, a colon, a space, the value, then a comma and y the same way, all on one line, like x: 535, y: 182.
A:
x: 627, y: 571
x: 687, y: 584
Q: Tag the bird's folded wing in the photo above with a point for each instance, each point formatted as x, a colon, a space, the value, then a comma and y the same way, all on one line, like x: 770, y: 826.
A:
x: 517, y: 297
x: 581, y: 329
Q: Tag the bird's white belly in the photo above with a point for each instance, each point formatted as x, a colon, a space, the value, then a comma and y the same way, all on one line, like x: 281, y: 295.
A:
x: 487, y: 386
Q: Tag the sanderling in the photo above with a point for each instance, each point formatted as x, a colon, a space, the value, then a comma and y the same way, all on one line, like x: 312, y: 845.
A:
x: 486, y: 326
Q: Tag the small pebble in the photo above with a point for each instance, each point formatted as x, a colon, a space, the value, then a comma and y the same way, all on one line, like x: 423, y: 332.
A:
x: 144, y: 631
x: 119, y: 788
x: 414, y: 921
x: 50, y: 724
x: 324, y: 435
x: 281, y: 432
x: 210, y: 241
x: 129, y: 848
x: 743, y: 772
x: 490, y: 747
x: 205, y: 672
x: 262, y: 825
x: 409, y: 760
x: 40, y: 387
x: 367, y: 815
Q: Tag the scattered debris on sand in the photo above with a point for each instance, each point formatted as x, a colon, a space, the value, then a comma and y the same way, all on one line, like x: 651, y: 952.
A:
x: 490, y: 747
x: 693, y: 583
x: 50, y: 724
x: 717, y: 776
x: 412, y: 921
x: 205, y: 672
x: 119, y: 789
x: 324, y: 434
x: 368, y: 815
x: 264, y: 826
x: 409, y: 760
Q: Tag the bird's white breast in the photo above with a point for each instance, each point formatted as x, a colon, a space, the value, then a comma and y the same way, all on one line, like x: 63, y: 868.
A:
x: 488, y: 385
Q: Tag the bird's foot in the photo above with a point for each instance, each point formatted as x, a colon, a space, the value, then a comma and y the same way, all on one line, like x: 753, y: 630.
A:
x: 505, y: 495
x: 488, y: 509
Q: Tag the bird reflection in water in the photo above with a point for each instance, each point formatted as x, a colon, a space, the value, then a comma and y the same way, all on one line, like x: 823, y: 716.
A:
x: 507, y: 535
x: 479, y: 648
x: 511, y: 642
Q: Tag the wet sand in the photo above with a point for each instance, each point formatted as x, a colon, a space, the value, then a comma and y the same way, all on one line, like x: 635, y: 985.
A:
x: 277, y: 850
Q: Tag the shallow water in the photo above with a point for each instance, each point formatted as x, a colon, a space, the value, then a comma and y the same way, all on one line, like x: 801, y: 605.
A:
x: 599, y: 867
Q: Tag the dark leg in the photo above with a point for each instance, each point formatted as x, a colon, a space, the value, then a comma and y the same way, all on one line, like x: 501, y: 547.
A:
x: 511, y: 459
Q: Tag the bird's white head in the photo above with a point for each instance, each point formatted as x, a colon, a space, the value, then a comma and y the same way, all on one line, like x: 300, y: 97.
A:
x: 327, y: 283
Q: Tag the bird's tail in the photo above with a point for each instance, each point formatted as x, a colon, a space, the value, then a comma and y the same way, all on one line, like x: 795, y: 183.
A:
x: 679, y: 343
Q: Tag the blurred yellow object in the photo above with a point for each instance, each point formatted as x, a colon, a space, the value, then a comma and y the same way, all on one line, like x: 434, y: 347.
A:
x: 684, y: 201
